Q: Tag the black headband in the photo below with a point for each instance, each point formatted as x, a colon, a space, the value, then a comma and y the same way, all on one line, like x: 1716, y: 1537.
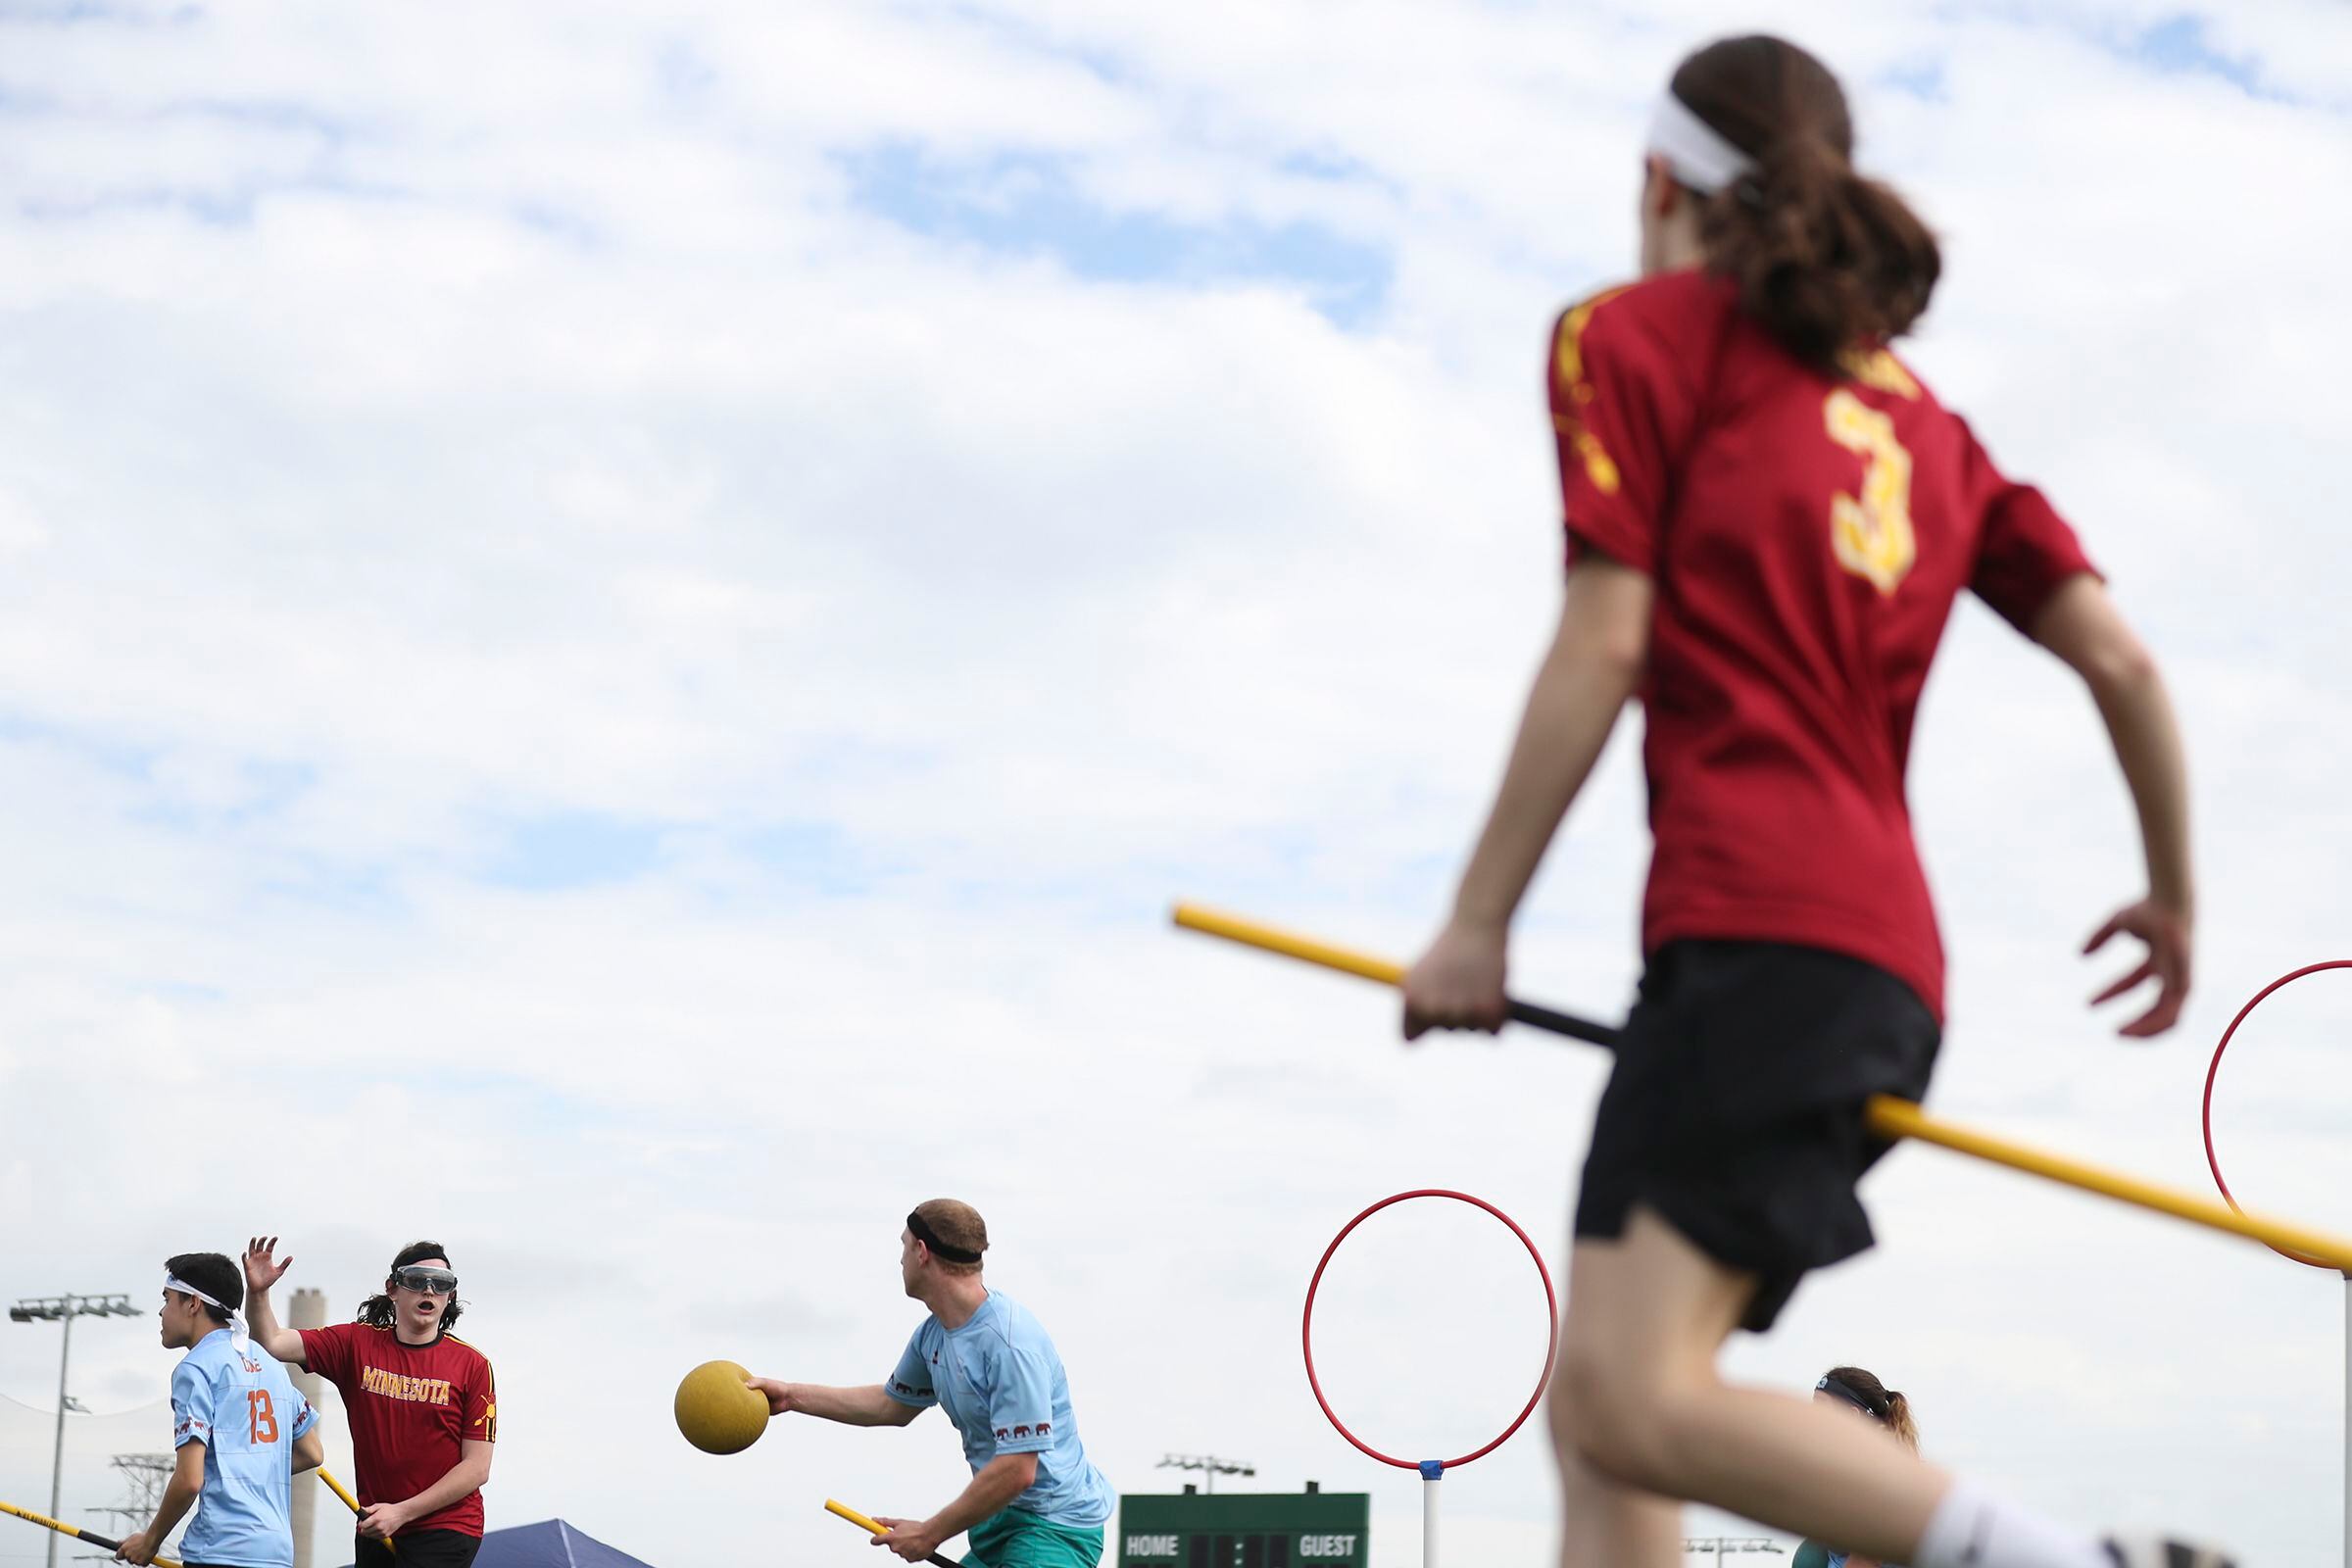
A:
x: 1857, y: 1398
x: 924, y: 1234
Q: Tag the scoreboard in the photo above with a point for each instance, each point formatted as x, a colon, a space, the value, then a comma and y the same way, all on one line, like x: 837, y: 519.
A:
x: 1246, y: 1530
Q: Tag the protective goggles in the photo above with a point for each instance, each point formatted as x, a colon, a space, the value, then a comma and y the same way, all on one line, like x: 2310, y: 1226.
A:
x: 426, y: 1281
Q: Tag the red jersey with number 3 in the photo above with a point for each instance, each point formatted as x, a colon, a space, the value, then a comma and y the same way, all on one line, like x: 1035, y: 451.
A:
x: 1807, y: 537
x: 411, y: 1408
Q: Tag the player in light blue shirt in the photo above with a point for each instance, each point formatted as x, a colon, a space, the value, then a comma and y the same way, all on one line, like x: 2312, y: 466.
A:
x: 1035, y: 1500
x: 241, y: 1430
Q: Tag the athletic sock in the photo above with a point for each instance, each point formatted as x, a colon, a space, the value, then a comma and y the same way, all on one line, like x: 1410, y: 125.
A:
x: 1972, y: 1529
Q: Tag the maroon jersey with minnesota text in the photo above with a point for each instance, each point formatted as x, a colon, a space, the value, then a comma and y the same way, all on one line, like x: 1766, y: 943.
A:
x: 1807, y: 537
x: 412, y: 1407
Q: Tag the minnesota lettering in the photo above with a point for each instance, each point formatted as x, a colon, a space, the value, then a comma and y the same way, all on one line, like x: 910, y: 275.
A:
x: 401, y: 1385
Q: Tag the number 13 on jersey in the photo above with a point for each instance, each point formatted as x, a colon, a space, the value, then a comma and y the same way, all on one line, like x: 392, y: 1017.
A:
x: 1872, y: 534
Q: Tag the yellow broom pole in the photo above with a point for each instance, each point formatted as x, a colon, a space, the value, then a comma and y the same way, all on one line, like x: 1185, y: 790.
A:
x: 843, y: 1510
x: 1888, y: 1117
x: 339, y: 1489
x: 350, y: 1501
x: 90, y: 1535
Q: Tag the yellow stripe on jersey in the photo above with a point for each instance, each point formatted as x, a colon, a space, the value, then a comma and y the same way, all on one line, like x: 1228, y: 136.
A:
x: 1882, y: 370
x: 1568, y: 370
x: 487, y: 1421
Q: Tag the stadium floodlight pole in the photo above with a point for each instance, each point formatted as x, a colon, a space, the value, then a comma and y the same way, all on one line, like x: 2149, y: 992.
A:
x: 1208, y: 1463
x: 64, y: 1310
x: 1736, y: 1544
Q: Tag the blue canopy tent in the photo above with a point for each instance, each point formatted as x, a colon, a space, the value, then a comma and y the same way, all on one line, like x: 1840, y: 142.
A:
x: 549, y: 1544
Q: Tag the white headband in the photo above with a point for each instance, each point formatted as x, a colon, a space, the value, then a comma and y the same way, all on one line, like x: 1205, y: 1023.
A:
x: 1697, y: 153
x: 236, y: 1321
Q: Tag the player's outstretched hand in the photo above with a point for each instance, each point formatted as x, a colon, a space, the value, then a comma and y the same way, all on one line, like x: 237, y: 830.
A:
x: 911, y: 1538
x: 2166, y: 933
x: 263, y: 1269
x: 137, y: 1548
x: 778, y: 1394
x: 1459, y: 982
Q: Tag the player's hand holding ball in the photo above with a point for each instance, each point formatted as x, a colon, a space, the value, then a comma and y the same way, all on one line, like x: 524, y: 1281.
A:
x: 778, y: 1394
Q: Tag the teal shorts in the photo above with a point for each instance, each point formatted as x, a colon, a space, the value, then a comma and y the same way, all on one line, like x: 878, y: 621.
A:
x: 1018, y: 1539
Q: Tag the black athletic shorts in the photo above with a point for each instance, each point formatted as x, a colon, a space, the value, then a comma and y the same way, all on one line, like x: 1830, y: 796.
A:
x: 1735, y: 1107
x: 420, y: 1548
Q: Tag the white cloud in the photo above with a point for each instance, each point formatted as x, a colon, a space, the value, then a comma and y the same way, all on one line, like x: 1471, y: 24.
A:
x: 414, y: 431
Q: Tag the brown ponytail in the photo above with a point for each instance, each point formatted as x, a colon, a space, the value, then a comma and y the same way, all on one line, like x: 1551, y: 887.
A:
x: 1899, y: 1419
x: 1826, y: 261
x: 1885, y: 1405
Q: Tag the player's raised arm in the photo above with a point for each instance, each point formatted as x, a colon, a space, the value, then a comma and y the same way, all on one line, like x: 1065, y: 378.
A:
x: 2082, y: 625
x: 263, y: 1269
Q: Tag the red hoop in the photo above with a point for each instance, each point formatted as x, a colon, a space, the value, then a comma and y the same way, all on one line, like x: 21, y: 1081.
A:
x: 1551, y: 1315
x: 2213, y: 1160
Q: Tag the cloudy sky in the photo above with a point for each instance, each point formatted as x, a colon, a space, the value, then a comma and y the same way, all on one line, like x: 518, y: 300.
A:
x: 617, y: 625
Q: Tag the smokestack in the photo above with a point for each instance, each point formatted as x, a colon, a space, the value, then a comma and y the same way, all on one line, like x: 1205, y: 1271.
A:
x: 308, y: 1311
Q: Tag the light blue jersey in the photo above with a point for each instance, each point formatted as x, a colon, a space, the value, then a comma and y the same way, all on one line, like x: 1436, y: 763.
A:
x: 240, y: 1404
x: 999, y: 1381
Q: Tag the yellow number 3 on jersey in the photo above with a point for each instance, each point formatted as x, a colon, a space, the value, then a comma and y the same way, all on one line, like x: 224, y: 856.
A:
x: 1872, y: 535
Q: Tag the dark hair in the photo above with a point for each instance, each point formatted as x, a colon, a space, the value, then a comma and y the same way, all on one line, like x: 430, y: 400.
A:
x: 1827, y: 262
x: 213, y: 1274
x: 376, y: 1310
x: 1887, y: 1405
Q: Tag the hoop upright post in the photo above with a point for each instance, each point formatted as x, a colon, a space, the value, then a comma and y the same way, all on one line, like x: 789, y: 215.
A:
x: 2348, y: 1421
x: 1431, y: 1472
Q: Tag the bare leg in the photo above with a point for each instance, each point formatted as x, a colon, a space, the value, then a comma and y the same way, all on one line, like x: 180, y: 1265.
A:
x: 1644, y: 1407
x: 1603, y: 1523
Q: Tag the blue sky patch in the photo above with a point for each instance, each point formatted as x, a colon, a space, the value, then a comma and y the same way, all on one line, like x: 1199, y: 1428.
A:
x: 813, y: 858
x: 121, y: 757
x: 1923, y: 77
x: 1029, y: 204
x: 556, y: 222
x: 70, y: 12
x: 263, y: 114
x: 2180, y: 44
x: 1337, y: 168
x: 684, y: 73
x: 574, y: 849
x: 347, y: 887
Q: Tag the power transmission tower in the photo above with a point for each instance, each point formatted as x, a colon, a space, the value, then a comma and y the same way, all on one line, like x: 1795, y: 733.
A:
x: 144, y: 1477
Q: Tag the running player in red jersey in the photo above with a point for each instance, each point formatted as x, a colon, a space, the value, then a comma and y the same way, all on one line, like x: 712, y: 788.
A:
x: 422, y: 1405
x: 1768, y: 517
